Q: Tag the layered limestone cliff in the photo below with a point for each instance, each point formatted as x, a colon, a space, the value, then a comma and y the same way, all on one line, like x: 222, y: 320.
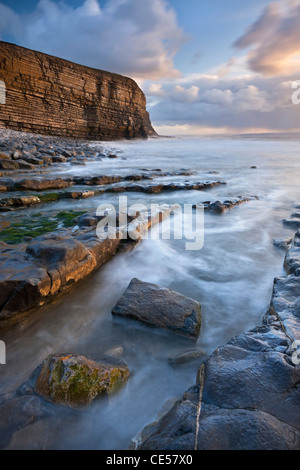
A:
x: 48, y: 95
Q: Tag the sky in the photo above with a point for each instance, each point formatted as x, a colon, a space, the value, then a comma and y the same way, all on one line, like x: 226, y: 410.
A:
x: 218, y: 66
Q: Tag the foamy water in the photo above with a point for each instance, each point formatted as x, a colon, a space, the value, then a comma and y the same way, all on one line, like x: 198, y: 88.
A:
x: 231, y: 276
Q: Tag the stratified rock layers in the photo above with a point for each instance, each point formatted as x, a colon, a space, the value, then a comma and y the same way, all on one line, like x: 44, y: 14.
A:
x: 48, y: 95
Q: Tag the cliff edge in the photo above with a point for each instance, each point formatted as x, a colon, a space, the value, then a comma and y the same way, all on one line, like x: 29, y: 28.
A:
x: 48, y: 95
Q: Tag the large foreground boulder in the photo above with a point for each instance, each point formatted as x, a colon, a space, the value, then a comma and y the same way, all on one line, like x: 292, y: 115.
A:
x: 160, y: 307
x: 77, y: 381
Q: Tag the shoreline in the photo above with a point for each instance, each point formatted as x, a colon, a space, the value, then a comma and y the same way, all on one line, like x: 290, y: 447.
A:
x: 246, y: 395
x: 240, y: 353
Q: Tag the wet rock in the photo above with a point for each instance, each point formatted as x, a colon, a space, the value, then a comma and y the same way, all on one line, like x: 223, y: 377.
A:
x: 9, y: 164
x: 19, y: 201
x: 76, y: 381
x: 142, y: 221
x: 115, y: 352
x: 47, y: 159
x: 50, y: 264
x: 249, y: 399
x: 16, y: 155
x: 283, y: 243
x: 36, y: 436
x: 219, y: 207
x: 64, y: 255
x: 33, y: 160
x: 89, y: 219
x: 17, y: 413
x: 40, y: 185
x: 78, y: 194
x: 285, y: 304
x: 247, y: 394
x: 22, y: 284
x: 293, y: 221
x: 23, y: 165
x: 219, y: 429
x: 160, y: 307
x: 24, y: 410
x: 67, y: 153
x: 59, y: 159
x: 188, y: 356
x: 9, y: 204
x: 158, y: 188
x: 292, y: 257
x: 4, y: 156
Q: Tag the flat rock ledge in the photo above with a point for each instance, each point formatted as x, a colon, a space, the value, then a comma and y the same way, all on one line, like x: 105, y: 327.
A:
x: 33, y: 273
x: 218, y: 207
x: 76, y: 381
x: 160, y: 307
x: 247, y: 394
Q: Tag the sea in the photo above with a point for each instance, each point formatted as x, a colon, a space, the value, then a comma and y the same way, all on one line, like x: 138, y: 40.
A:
x: 231, y: 276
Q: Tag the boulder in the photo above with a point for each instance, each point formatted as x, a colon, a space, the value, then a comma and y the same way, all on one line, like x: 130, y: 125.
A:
x: 283, y: 243
x: 18, y: 413
x: 293, y: 222
x: 16, y: 155
x: 217, y: 207
x: 160, y: 307
x: 47, y: 159
x: 292, y: 257
x: 40, y: 185
x: 23, y: 165
x: 19, y: 201
x: 23, y: 285
x: 33, y: 160
x: 4, y: 156
x: 64, y: 255
x: 76, y: 381
x: 58, y: 159
x: 89, y: 219
x: 189, y: 356
x: 9, y: 164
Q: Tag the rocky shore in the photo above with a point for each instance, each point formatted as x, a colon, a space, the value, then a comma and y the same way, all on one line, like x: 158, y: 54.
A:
x: 247, y: 393
x: 41, y: 258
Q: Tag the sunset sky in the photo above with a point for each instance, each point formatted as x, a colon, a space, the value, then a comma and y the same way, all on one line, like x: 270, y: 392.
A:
x: 217, y: 66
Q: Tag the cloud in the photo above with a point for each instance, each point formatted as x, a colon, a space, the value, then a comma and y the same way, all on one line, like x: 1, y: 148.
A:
x: 130, y: 37
x: 9, y: 21
x: 274, y: 40
x: 185, y: 95
x: 241, y: 102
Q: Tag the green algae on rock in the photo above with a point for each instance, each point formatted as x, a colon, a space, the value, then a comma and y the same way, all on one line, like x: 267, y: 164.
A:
x: 37, y: 225
x: 76, y: 381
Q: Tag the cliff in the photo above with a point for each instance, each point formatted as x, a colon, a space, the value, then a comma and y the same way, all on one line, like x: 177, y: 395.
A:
x: 48, y: 95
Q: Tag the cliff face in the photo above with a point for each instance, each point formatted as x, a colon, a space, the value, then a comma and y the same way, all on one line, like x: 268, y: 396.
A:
x: 48, y: 95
